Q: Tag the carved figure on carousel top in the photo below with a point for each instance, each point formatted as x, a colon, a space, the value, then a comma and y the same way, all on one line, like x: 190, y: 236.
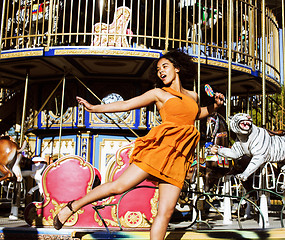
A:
x: 113, y: 35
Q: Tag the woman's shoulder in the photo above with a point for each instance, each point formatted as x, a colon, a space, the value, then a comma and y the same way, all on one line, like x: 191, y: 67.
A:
x: 191, y: 94
x: 157, y: 91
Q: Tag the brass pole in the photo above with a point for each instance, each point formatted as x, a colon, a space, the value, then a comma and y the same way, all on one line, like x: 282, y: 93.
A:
x: 61, y: 116
x: 42, y: 107
x: 199, y: 61
x: 230, y: 11
x: 167, y: 25
x: 263, y: 64
x: 283, y: 46
x: 71, y: 19
x: 198, y: 92
x: 50, y: 22
x: 145, y: 23
x: 2, y: 23
x: 24, y: 109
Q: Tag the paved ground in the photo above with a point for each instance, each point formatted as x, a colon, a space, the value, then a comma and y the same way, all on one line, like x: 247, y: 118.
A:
x: 211, y: 228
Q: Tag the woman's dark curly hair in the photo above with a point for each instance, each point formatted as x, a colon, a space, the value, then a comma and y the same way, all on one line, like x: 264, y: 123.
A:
x: 180, y: 60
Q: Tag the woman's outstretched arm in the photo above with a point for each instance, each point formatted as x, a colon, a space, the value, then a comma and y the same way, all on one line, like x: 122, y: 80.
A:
x: 143, y: 100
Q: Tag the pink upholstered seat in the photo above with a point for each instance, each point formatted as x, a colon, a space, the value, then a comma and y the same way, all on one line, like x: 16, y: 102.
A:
x: 71, y: 178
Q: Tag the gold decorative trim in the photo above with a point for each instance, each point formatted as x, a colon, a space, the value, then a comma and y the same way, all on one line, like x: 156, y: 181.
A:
x: 84, y: 150
x: 106, y: 52
x: 241, y: 69
x: 154, y: 119
x: 52, y: 120
x: 52, y: 146
x: 216, y: 63
x: 143, y: 118
x: 133, y: 219
x: 119, y: 143
x: 72, y: 220
x: 119, y: 160
x: 109, y: 222
x: 36, y: 217
x: 153, y: 203
x: 30, y: 235
x: 98, y: 119
x: 21, y: 54
x: 80, y: 116
x: 223, y: 64
x: 269, y: 79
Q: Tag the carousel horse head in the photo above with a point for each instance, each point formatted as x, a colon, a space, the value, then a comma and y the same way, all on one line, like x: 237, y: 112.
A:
x: 216, y: 134
x: 217, y: 130
x: 10, y: 159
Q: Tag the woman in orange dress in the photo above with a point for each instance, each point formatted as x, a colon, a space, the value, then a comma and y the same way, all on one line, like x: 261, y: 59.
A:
x: 167, y: 151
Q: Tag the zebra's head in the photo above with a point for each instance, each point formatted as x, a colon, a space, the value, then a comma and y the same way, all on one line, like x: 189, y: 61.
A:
x: 241, y: 123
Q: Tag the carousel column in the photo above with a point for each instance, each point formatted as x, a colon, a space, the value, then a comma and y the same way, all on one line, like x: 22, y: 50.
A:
x: 227, y: 201
x: 263, y: 200
x: 199, y: 189
x: 230, y: 27
x: 199, y: 204
x: 264, y: 178
x: 15, y: 204
x: 84, y: 142
x: 24, y: 109
x: 83, y: 138
x: 263, y: 24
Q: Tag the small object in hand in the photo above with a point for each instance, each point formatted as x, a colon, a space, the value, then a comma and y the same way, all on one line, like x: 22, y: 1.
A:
x: 209, y: 90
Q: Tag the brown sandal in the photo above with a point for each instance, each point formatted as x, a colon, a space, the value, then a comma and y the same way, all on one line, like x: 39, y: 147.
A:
x: 58, y: 224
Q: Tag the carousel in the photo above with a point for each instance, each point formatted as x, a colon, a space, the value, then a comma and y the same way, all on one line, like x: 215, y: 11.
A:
x: 52, y: 150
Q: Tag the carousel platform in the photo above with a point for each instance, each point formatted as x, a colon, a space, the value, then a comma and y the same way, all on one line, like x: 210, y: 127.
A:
x: 28, y: 233
x: 14, y: 230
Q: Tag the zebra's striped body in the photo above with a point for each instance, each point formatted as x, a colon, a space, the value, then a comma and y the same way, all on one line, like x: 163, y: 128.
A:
x: 254, y: 142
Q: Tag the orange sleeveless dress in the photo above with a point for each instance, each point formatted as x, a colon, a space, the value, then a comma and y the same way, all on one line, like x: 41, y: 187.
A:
x: 167, y: 151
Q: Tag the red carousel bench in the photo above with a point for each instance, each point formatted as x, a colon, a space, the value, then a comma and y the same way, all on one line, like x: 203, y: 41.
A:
x: 71, y: 177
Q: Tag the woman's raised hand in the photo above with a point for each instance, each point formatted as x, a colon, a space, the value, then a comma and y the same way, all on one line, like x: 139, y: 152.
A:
x: 219, y: 99
x: 87, y: 106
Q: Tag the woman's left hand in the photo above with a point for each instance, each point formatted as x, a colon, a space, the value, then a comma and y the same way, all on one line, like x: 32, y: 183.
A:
x: 219, y: 99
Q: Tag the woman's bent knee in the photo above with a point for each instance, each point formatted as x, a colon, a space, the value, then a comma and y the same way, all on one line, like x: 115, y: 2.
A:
x: 165, y: 212
x: 116, y: 188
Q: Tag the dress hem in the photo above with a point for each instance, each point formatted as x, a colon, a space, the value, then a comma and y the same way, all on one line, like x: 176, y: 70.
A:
x: 157, y: 174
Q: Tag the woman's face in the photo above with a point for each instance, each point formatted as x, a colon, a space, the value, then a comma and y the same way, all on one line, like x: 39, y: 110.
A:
x: 166, y: 71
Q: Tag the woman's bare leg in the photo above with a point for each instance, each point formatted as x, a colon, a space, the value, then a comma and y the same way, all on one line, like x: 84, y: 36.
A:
x: 131, y: 177
x: 168, y: 196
